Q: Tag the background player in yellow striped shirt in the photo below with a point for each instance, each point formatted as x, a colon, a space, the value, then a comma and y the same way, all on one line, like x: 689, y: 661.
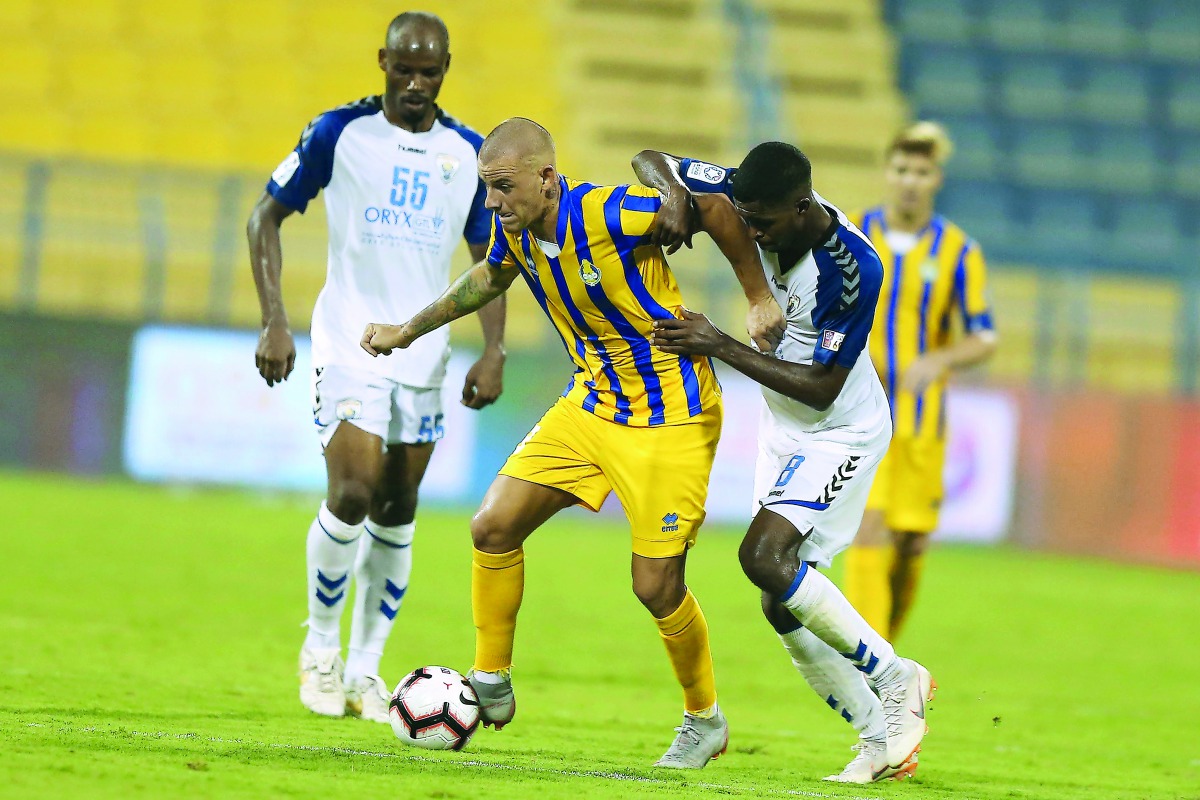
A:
x: 934, y: 282
x: 633, y: 420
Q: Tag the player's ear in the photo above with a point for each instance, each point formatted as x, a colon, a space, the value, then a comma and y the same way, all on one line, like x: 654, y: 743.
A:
x: 383, y: 59
x: 803, y: 204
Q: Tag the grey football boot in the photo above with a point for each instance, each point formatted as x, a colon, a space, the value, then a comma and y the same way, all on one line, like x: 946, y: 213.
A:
x: 697, y: 741
x: 497, y: 703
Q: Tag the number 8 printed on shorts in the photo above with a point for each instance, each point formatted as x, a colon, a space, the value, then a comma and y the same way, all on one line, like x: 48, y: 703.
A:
x: 788, y: 471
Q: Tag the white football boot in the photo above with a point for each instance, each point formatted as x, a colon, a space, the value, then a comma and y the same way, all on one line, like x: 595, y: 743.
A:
x: 871, y: 765
x: 904, y: 704
x: 321, y: 689
x: 697, y: 741
x: 369, y: 699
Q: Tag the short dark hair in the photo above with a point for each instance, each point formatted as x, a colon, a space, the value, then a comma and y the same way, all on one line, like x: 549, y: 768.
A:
x: 771, y: 173
x: 422, y: 19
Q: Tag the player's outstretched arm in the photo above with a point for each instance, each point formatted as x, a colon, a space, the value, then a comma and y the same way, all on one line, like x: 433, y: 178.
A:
x: 764, y: 321
x: 485, y: 379
x: 474, y: 289
x: 276, y: 353
x: 934, y: 365
x: 815, y: 384
x: 677, y: 220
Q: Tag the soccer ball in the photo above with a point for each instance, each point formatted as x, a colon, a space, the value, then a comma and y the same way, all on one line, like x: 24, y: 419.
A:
x: 434, y: 708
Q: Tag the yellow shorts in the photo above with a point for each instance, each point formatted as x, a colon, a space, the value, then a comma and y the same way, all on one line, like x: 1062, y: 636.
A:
x: 908, y: 485
x: 660, y: 474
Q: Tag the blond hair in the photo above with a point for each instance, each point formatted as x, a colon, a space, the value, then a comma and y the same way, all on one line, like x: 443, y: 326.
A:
x: 924, y: 138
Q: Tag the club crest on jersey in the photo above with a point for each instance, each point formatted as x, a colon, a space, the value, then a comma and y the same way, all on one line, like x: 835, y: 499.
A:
x: 449, y: 165
x: 793, y: 304
x: 929, y: 271
x: 589, y: 274
x: 832, y: 340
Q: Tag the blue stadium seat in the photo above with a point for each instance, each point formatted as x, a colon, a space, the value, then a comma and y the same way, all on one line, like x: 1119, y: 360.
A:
x: 1172, y: 28
x: 1115, y: 93
x: 947, y: 79
x: 1048, y: 155
x: 984, y: 209
x: 934, y: 20
x: 1099, y: 26
x: 976, y: 151
x: 1124, y: 160
x: 1064, y: 227
x: 1019, y: 24
x: 1036, y: 88
x: 1183, y: 101
x: 1147, y: 234
x: 1185, y: 167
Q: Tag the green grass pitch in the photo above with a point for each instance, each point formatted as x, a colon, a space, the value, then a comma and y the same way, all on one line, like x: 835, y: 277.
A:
x: 150, y: 638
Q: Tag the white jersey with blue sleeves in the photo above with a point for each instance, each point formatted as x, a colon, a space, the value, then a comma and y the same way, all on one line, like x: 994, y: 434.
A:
x: 397, y: 203
x: 829, y: 299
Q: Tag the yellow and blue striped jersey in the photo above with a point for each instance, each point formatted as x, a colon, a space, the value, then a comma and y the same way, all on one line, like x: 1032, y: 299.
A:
x: 922, y: 290
x: 602, y: 286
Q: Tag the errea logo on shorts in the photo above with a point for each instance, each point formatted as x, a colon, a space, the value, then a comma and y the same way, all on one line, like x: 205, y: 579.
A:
x: 832, y: 340
x: 670, y: 523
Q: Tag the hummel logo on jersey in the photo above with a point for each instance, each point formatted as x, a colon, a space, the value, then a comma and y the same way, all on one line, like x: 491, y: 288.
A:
x: 671, y: 523
x: 406, y: 149
x: 830, y: 340
x: 849, y: 267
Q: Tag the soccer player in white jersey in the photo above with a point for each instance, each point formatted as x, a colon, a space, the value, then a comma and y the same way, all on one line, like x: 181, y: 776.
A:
x: 824, y: 427
x: 401, y: 187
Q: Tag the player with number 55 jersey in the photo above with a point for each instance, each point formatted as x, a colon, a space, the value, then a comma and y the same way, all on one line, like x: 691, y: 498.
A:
x: 401, y: 187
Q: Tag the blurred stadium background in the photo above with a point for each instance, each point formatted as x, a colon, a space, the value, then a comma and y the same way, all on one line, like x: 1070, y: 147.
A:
x: 135, y: 135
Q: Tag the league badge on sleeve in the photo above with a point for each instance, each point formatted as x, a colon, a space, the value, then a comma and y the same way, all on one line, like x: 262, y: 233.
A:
x: 286, y: 169
x: 448, y: 165
x: 832, y: 340
x: 708, y: 173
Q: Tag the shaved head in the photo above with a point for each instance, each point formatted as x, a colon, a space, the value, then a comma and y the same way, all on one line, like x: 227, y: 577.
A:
x: 415, y: 31
x: 521, y: 140
x: 516, y: 165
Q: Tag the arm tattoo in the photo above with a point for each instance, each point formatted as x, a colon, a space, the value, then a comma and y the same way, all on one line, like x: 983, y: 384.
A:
x: 474, y: 289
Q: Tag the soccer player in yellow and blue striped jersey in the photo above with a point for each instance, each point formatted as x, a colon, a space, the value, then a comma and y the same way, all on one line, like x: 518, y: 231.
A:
x: 634, y: 420
x: 934, y: 282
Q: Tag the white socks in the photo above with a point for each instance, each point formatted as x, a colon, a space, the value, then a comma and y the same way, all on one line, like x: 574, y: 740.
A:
x: 331, y: 548
x: 823, y: 609
x: 381, y: 578
x: 837, y: 682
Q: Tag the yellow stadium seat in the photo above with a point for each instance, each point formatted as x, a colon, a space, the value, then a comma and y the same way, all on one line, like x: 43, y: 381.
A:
x: 42, y: 130
x: 94, y: 25
x: 20, y: 21
x: 263, y: 28
x: 102, y: 80
x: 177, y: 26
x: 27, y: 75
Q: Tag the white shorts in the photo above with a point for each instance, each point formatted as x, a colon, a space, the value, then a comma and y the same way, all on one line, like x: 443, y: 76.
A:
x: 820, y: 487
x: 392, y: 411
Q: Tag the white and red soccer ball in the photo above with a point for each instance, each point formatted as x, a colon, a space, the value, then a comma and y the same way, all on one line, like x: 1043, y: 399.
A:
x: 434, y: 708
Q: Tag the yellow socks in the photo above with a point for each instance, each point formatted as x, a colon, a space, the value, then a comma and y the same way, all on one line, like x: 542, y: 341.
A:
x: 868, y: 584
x: 906, y: 574
x: 685, y: 633
x: 497, y: 582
